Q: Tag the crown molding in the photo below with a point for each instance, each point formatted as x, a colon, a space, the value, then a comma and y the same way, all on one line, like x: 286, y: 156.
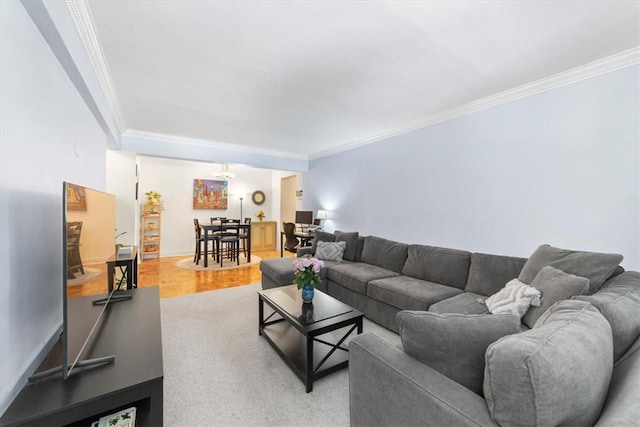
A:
x: 606, y: 65
x: 171, y: 139
x: 83, y: 21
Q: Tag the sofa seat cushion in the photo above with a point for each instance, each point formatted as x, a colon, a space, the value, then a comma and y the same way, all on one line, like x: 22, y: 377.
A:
x: 355, y: 276
x: 489, y: 273
x: 597, y: 267
x: 454, y: 344
x: 464, y: 303
x: 557, y: 373
x: 439, y: 265
x: 619, y: 303
x: 407, y: 293
x: 384, y: 253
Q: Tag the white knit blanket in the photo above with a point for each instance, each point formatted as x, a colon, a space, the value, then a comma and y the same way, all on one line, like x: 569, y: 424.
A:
x: 516, y: 297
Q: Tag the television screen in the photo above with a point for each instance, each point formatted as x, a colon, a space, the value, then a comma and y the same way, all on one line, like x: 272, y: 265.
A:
x: 304, y: 217
x: 89, y: 221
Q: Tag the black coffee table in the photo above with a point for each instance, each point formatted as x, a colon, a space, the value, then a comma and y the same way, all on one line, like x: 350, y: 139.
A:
x: 294, y: 330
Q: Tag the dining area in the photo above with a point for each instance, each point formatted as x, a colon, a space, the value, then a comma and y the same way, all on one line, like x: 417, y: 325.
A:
x: 222, y: 240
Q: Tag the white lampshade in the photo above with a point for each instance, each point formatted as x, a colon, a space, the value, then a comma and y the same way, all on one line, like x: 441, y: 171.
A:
x: 322, y: 214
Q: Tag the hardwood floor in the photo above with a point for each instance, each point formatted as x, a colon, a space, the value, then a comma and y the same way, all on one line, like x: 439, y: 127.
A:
x: 174, y: 281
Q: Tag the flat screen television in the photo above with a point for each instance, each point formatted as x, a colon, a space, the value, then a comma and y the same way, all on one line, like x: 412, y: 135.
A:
x: 304, y: 218
x: 88, y: 241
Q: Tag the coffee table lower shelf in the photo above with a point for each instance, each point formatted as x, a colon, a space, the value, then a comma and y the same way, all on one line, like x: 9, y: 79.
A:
x: 292, y: 346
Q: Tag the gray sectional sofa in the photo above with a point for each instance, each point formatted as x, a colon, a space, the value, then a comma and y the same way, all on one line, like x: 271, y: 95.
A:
x: 575, y: 362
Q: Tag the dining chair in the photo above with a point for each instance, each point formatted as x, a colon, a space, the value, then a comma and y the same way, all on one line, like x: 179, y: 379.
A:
x: 200, y: 241
x: 74, y: 262
x: 291, y: 241
x: 244, y: 235
x: 230, y: 241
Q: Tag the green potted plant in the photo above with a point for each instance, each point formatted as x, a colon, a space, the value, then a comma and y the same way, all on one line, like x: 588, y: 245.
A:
x: 153, y: 198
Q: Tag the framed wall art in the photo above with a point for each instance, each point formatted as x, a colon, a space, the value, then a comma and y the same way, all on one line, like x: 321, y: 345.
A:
x: 209, y: 194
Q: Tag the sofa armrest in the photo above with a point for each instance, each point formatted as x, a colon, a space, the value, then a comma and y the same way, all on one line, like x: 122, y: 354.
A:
x: 389, y: 387
x: 304, y: 250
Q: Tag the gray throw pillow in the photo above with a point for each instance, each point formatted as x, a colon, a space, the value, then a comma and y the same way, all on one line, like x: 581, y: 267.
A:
x: 330, y: 251
x: 351, y: 239
x: 454, y: 344
x: 557, y: 373
x: 321, y: 236
x: 554, y: 285
x: 597, y: 267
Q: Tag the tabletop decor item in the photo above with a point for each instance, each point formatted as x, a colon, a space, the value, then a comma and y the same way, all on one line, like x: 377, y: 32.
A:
x: 307, y: 275
x: 260, y: 215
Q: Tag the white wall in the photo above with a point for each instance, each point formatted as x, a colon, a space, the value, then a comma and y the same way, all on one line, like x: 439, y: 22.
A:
x: 47, y: 136
x: 121, y: 181
x: 173, y: 179
x: 560, y: 167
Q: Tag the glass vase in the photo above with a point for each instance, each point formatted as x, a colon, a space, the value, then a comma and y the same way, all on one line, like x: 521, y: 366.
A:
x: 307, y: 293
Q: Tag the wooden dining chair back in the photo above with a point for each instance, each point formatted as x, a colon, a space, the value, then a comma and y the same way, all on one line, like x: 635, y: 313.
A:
x: 244, y: 236
x: 291, y: 241
x: 200, y: 241
x: 230, y: 241
x: 74, y: 261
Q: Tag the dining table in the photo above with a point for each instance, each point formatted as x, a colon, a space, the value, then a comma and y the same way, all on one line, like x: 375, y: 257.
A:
x: 218, y: 226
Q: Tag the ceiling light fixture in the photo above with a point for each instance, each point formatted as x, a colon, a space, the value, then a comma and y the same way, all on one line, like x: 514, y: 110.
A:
x: 225, y: 174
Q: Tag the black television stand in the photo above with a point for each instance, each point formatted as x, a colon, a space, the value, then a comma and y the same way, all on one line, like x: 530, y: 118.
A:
x: 132, y: 333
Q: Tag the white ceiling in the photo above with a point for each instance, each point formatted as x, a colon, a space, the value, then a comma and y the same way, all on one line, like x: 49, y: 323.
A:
x: 306, y: 77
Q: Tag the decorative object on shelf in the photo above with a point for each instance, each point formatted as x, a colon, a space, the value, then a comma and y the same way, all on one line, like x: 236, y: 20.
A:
x: 210, y: 194
x: 307, y: 275
x: 260, y: 215
x: 258, y: 197
x: 153, y: 197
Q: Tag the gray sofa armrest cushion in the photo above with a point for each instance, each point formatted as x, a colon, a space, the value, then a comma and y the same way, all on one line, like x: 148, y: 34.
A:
x: 439, y: 265
x: 557, y: 373
x: 595, y: 266
x: 389, y: 387
x: 619, y: 303
x: 384, y: 253
x: 489, y: 273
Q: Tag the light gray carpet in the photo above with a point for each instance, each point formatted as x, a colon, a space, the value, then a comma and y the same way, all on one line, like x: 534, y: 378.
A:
x: 219, y: 371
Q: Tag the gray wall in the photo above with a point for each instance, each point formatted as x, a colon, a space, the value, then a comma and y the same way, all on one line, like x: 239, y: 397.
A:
x: 47, y: 136
x: 560, y: 167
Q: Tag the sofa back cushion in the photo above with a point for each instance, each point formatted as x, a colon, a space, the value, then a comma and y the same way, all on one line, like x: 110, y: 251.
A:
x: 557, y: 373
x: 440, y: 265
x: 351, y: 248
x: 384, y: 253
x: 619, y: 303
x: 595, y: 266
x: 489, y: 273
x: 454, y: 344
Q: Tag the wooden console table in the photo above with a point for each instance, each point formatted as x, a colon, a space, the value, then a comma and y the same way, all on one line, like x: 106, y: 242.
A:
x: 128, y: 265
x: 130, y: 331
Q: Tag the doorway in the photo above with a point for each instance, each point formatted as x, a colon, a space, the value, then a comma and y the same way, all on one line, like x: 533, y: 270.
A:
x: 288, y: 201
